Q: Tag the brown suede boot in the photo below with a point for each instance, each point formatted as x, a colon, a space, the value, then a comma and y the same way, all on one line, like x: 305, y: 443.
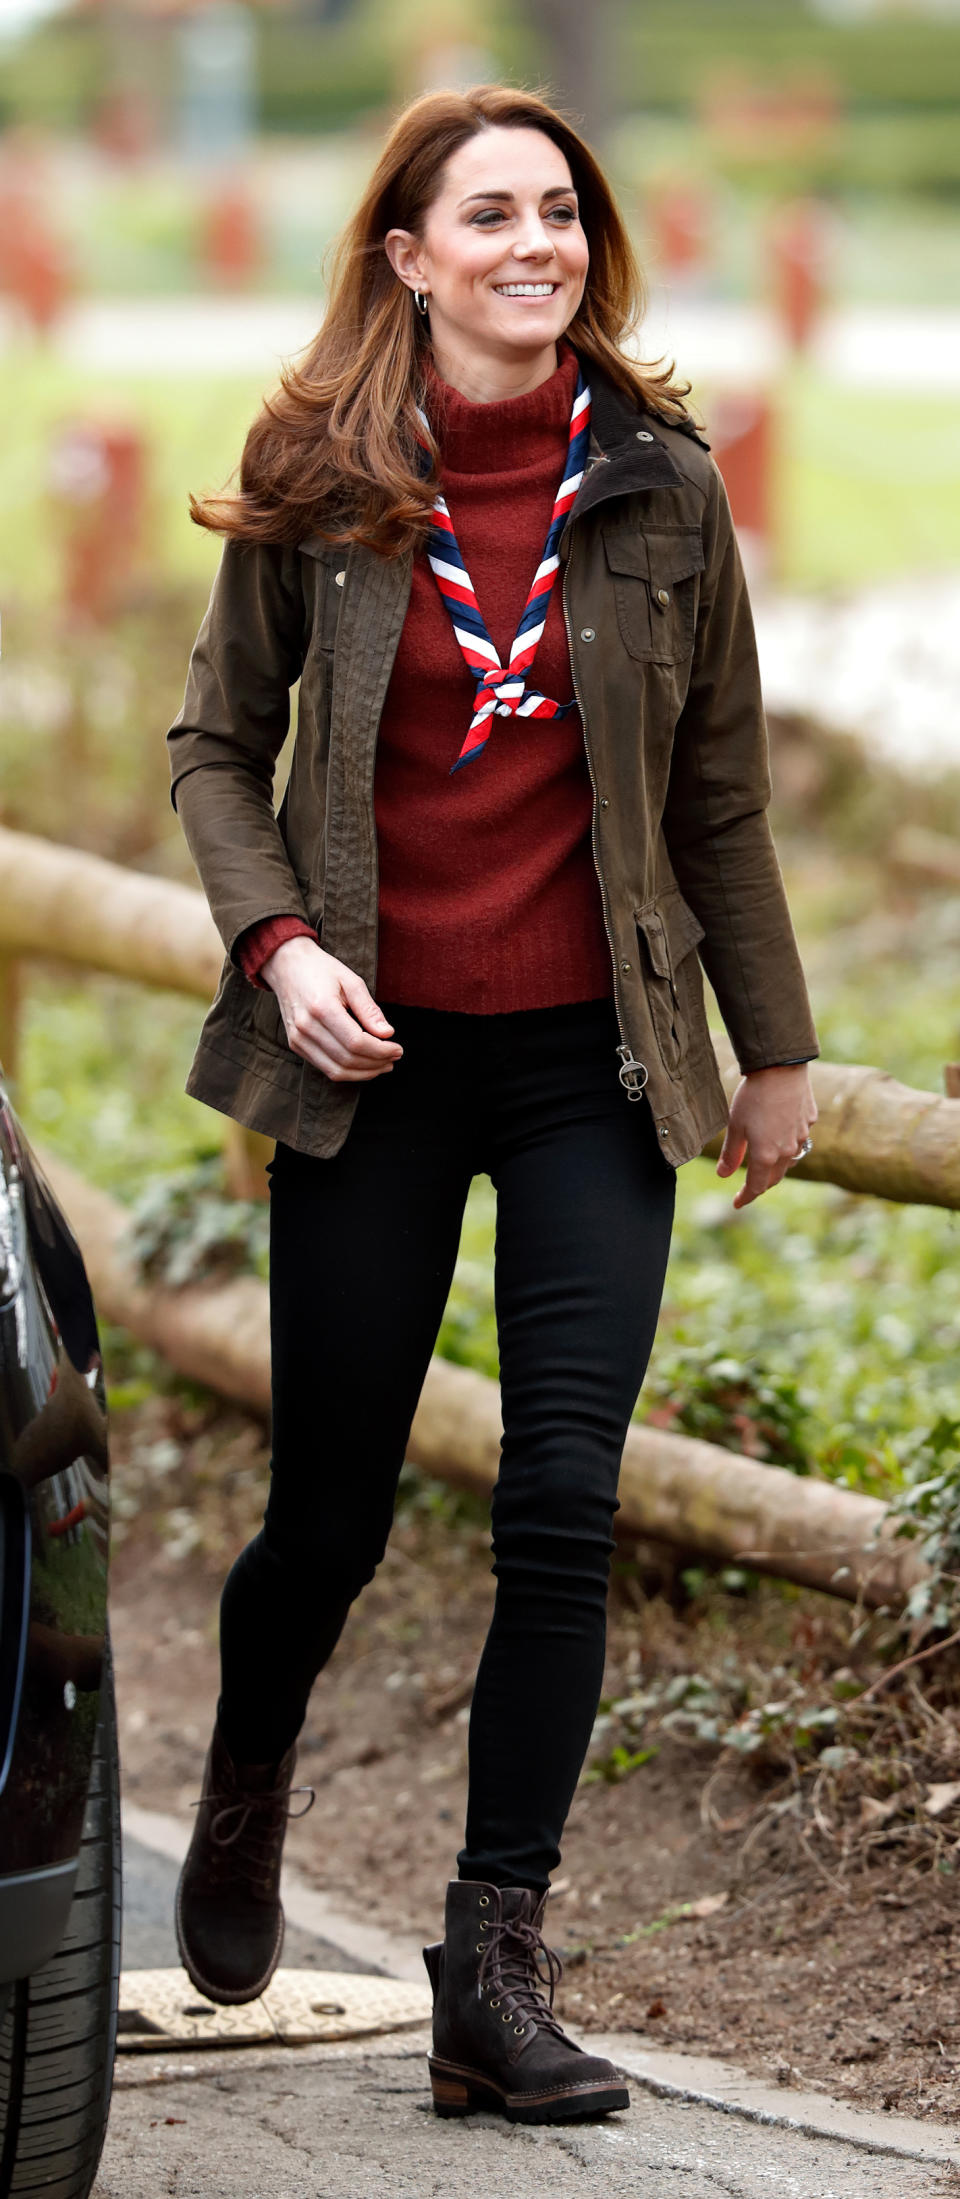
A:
x: 496, y: 2041
x: 228, y: 1915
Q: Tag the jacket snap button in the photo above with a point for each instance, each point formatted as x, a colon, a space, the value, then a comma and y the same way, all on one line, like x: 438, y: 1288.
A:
x: 664, y: 1133
x: 588, y: 633
x: 663, y: 595
x: 340, y: 578
x: 644, y: 435
x: 625, y: 965
x: 604, y: 804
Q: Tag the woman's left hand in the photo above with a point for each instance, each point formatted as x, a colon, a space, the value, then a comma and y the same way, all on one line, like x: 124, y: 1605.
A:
x: 771, y: 1114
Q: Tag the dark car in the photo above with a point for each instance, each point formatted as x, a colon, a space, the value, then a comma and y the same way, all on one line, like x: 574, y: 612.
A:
x: 59, y: 1788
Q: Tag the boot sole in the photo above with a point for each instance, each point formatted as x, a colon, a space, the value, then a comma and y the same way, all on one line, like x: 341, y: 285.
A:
x: 458, y: 2090
x: 224, y: 1996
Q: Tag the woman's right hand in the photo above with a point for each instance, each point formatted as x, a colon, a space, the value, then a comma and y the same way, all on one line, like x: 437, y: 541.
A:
x: 329, y: 1017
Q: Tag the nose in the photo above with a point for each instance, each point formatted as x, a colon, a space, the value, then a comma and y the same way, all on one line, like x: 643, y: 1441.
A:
x: 535, y: 242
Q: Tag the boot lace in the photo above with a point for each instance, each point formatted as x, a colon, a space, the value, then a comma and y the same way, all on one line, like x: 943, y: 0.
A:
x: 234, y: 1824
x: 512, y: 1954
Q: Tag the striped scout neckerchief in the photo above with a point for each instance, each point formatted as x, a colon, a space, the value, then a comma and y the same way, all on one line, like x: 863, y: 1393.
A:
x: 503, y: 692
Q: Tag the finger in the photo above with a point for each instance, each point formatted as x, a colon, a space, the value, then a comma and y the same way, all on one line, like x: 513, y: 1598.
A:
x: 732, y: 1152
x: 332, y: 1027
x: 339, y: 1072
x: 362, y: 1004
x: 758, y: 1179
x: 761, y: 1176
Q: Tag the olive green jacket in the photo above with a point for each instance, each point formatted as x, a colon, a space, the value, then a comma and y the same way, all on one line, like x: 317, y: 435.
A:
x: 665, y: 673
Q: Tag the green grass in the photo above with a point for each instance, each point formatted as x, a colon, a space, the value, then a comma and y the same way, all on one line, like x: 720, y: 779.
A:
x: 193, y: 429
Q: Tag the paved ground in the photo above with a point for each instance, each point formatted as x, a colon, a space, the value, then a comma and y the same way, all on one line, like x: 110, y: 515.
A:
x: 344, y: 2122
x: 356, y: 2122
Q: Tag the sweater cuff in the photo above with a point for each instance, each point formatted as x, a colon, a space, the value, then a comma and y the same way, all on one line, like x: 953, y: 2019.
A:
x: 256, y: 945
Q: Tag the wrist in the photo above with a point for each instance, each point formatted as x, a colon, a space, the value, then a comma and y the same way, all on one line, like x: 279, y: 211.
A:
x: 286, y: 955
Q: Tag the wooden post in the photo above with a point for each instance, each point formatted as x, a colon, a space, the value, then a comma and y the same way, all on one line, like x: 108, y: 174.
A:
x: 246, y: 1153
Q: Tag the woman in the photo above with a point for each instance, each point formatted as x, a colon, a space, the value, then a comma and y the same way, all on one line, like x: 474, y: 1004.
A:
x: 529, y: 780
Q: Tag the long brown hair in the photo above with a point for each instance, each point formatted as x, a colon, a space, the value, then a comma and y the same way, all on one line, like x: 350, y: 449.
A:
x: 334, y: 449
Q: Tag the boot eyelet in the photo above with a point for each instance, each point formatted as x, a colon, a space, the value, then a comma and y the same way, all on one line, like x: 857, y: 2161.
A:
x: 494, y: 2004
x: 484, y: 1901
x: 518, y: 2030
x: 479, y: 1947
x: 507, y: 2018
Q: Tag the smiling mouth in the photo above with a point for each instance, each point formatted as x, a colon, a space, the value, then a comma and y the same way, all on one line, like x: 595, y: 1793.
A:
x: 526, y: 290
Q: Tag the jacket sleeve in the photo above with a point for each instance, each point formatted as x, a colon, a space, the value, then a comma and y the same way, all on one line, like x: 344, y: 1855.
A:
x: 226, y: 738
x: 715, y: 822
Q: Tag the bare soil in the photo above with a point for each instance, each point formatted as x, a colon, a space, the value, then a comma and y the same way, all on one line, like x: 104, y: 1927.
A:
x: 844, y: 1979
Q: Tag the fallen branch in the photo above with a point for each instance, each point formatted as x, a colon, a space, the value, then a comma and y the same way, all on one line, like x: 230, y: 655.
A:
x: 674, y: 1489
x: 919, y: 1657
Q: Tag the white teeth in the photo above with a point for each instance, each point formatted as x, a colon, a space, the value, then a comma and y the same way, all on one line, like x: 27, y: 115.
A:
x: 525, y: 290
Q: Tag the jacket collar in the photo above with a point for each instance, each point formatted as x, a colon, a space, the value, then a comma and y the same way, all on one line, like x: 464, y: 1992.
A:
x: 626, y: 452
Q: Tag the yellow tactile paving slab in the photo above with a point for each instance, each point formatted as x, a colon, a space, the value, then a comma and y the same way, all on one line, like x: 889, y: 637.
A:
x: 161, y: 2009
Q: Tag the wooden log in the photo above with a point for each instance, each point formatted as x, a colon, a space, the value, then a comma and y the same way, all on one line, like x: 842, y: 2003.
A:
x: 78, y: 908
x: 874, y: 1134
x: 673, y: 1489
x: 931, y: 858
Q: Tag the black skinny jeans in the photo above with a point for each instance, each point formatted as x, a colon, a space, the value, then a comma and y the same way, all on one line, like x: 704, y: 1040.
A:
x: 362, y: 1254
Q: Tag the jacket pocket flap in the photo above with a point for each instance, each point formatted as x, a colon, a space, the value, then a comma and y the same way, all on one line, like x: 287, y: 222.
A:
x: 684, y: 930
x: 653, y: 555
x: 650, y: 923
x: 626, y: 551
x: 670, y: 929
x: 674, y: 556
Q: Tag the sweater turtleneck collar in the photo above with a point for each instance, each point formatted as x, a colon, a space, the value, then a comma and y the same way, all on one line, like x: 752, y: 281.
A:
x: 487, y: 438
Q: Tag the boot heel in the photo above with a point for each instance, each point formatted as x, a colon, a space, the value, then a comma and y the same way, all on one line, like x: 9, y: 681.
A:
x: 450, y: 2094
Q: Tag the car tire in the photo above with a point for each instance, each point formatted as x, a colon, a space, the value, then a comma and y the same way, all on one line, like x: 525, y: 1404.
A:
x: 59, y: 2031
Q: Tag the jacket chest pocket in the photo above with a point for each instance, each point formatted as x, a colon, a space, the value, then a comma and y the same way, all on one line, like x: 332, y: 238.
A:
x: 667, y: 934
x: 656, y: 587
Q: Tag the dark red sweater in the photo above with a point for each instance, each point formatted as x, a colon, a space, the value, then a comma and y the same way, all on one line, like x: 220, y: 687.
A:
x: 488, y: 895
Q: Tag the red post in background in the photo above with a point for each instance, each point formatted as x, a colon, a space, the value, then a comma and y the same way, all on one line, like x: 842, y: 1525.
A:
x: 97, y: 478
x: 798, y: 244
x: 231, y: 246
x: 680, y: 221
x: 34, y: 261
x: 741, y: 430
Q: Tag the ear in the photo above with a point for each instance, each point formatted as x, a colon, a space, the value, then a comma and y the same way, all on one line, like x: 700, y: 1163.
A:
x: 405, y: 256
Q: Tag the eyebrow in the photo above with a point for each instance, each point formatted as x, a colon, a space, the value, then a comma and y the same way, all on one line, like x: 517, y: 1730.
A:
x: 556, y: 191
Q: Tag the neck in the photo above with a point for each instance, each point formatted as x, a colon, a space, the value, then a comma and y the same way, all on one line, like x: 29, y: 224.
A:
x: 486, y: 379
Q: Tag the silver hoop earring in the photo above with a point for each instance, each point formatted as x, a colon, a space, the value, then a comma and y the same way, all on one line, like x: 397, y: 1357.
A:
x: 420, y: 302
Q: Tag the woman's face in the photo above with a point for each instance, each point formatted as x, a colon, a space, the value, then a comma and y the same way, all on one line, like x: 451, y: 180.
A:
x: 502, y: 256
